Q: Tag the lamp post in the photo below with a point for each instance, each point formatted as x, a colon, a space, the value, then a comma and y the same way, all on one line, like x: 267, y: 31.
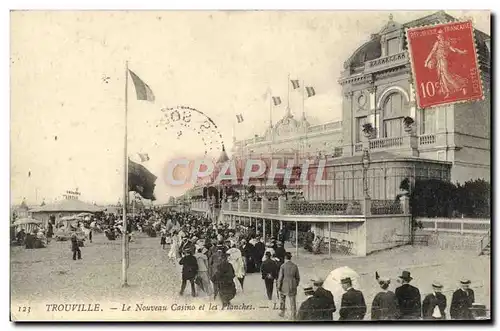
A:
x: 366, y: 164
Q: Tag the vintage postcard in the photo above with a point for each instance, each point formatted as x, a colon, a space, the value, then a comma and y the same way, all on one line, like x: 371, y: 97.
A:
x: 259, y: 166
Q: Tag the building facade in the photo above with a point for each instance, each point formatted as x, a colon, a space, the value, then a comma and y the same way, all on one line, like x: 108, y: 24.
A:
x: 377, y: 88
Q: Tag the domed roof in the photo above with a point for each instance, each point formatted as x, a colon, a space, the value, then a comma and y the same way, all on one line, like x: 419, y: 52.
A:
x: 368, y: 51
x: 287, y: 120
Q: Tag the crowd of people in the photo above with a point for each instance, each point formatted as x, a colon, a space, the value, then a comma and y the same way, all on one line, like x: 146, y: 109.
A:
x: 216, y: 258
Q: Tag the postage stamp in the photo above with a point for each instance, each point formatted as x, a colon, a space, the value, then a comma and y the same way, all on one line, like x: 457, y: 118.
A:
x: 444, y: 63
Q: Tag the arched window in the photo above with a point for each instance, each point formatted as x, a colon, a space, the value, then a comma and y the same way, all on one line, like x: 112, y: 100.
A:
x: 393, y: 113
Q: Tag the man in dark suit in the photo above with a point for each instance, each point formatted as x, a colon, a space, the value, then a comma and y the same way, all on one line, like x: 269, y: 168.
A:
x: 385, y: 304
x: 259, y: 249
x: 310, y: 309
x: 288, y: 281
x: 189, y: 271
x: 353, y: 306
x: 409, y: 299
x: 461, y: 302
x: 280, y: 251
x: 269, y: 270
x: 325, y: 297
x: 434, y: 304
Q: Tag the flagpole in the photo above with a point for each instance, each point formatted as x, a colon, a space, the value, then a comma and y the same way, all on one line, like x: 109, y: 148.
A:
x: 303, y: 100
x: 270, y: 109
x: 288, y: 85
x: 125, y: 186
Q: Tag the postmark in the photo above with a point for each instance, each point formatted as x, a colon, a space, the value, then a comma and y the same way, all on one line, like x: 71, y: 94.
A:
x: 444, y: 64
x: 180, y: 119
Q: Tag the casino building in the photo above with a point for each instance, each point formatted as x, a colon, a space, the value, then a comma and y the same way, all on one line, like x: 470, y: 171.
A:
x: 451, y: 143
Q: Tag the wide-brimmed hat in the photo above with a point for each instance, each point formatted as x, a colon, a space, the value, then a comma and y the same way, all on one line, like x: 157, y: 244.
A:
x: 465, y: 281
x: 346, y: 280
x: 437, y: 285
x: 405, y: 275
x: 308, y: 290
x: 317, y: 281
x: 269, y: 244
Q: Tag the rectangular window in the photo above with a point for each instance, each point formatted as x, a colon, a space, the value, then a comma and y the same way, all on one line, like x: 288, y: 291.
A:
x: 428, y: 121
x: 393, y: 128
x: 393, y: 46
x: 359, y: 134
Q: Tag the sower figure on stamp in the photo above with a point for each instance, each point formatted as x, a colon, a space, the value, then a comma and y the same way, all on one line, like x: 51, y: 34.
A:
x: 434, y: 304
x: 461, y: 302
x: 353, y: 306
x: 189, y: 271
x: 288, y: 281
x: 409, y: 299
x: 75, y: 248
x: 385, y: 304
x: 439, y: 58
x: 269, y: 270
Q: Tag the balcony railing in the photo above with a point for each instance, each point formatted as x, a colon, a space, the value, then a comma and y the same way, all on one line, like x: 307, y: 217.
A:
x: 255, y: 206
x: 427, y: 139
x: 323, y: 208
x: 386, y: 207
x: 390, y: 60
x: 386, y: 142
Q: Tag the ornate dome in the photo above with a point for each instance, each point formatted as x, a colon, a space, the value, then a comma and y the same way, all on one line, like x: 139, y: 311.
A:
x: 287, y: 121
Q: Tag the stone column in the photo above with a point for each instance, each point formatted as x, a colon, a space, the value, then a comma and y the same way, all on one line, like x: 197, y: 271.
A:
x: 263, y: 206
x: 249, y: 205
x: 240, y: 205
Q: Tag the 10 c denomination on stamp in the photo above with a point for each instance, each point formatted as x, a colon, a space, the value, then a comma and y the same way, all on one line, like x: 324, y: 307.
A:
x: 444, y: 64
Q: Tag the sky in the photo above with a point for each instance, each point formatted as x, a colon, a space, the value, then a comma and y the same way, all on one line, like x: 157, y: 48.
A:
x: 68, y: 85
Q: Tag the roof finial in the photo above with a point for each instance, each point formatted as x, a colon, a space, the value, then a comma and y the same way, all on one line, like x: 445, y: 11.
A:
x: 390, y: 17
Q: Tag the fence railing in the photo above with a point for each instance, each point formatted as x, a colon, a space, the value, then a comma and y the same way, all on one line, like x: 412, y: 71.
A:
x: 458, y: 225
x: 323, y: 208
x: 386, y: 207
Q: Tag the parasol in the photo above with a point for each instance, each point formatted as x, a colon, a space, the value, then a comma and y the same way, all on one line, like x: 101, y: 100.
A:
x: 27, y: 220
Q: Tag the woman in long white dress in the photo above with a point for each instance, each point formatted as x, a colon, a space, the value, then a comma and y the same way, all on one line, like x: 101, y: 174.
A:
x: 236, y: 260
x: 174, y: 248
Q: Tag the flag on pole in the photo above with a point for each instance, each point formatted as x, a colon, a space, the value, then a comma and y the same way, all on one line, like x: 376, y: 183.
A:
x: 143, y: 156
x: 295, y: 83
x: 142, y: 89
x: 310, y: 91
x: 239, y: 118
x: 141, y: 180
x: 277, y: 101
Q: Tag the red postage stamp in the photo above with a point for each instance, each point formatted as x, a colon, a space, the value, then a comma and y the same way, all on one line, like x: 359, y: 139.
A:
x: 444, y: 64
